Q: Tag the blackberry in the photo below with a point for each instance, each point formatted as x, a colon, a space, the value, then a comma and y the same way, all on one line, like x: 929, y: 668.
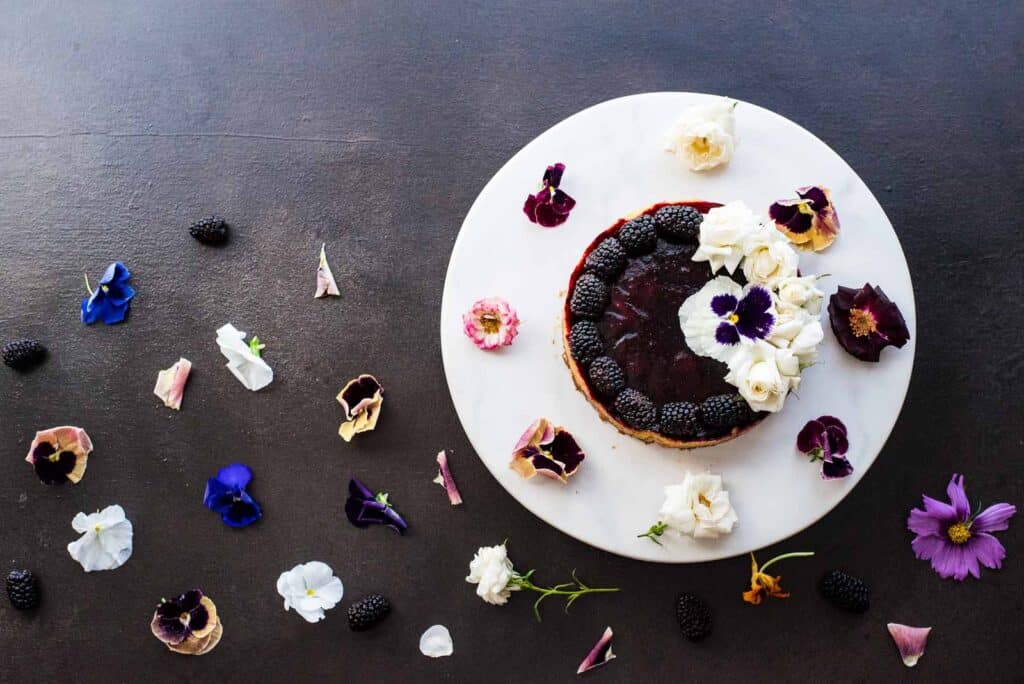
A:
x: 23, y: 354
x: 365, y: 613
x: 679, y: 419
x: 724, y: 411
x: 606, y: 377
x: 585, y: 342
x: 210, y: 231
x: 678, y: 223
x: 23, y: 589
x: 694, y: 617
x: 588, y: 297
x: 845, y: 591
x: 639, y: 236
x: 636, y: 409
x: 607, y: 260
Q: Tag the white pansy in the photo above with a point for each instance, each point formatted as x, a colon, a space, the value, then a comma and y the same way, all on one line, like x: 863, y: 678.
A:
x: 767, y: 257
x: 801, y: 291
x: 699, y: 322
x: 491, y: 570
x: 309, y: 589
x: 723, y: 233
x: 106, y: 541
x: 698, y: 506
x: 436, y: 642
x: 704, y: 136
x: 764, y: 375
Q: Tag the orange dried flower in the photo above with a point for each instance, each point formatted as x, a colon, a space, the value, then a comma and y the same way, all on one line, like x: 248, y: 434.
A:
x: 763, y: 584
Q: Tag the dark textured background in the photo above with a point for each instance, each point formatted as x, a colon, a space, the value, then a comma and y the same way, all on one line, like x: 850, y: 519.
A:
x: 373, y: 126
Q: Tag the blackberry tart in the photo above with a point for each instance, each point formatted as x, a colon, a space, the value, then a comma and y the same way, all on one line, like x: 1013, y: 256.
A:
x: 622, y: 339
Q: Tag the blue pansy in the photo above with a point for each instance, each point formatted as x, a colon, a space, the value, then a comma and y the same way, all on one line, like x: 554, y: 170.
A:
x: 109, y: 301
x: 225, y: 494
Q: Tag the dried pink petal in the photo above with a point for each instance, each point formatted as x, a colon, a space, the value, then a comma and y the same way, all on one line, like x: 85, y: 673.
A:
x: 600, y: 654
x: 325, y: 284
x: 445, y: 479
x: 910, y: 641
x: 170, y: 383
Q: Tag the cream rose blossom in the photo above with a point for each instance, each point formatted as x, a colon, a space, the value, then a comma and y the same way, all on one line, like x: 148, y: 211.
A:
x: 768, y: 258
x: 704, y: 136
x: 491, y: 571
x: 801, y: 291
x: 698, y: 506
x: 723, y: 233
x: 764, y: 375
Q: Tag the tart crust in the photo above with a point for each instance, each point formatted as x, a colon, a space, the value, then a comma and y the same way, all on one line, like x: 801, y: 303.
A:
x: 577, y: 371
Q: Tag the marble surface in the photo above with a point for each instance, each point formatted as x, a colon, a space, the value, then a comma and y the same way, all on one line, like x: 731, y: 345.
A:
x: 616, y: 165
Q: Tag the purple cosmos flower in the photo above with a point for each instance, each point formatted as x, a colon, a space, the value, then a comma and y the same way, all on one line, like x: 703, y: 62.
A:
x: 748, y: 316
x: 550, y: 207
x: 109, y: 301
x: 824, y: 439
x: 865, y: 321
x: 364, y: 508
x: 953, y: 540
x: 225, y: 494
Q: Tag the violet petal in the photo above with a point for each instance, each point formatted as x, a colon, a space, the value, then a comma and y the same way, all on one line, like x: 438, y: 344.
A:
x: 445, y: 479
x: 600, y: 654
x: 910, y: 641
x: 810, y: 437
x: 835, y: 468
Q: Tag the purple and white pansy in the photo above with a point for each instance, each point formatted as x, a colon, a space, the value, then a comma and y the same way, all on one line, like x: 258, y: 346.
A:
x: 723, y: 314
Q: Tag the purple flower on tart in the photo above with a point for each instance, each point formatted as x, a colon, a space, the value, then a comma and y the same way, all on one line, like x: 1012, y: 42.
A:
x: 187, y: 624
x: 60, y: 454
x: 954, y: 540
x: 364, y: 508
x: 865, y: 321
x: 722, y: 313
x: 810, y: 221
x: 547, y: 450
x: 825, y: 439
x: 550, y: 206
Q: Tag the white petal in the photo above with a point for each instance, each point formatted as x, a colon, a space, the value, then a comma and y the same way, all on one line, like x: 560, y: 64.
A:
x: 82, y: 523
x: 316, y: 574
x: 117, y: 538
x: 88, y: 551
x: 436, y: 642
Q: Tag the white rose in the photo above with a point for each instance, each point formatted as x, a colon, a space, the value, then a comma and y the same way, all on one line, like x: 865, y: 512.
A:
x: 805, y: 345
x: 698, y: 506
x: 704, y: 136
x: 768, y: 258
x: 491, y: 570
x: 723, y: 233
x: 798, y: 331
x: 801, y: 291
x: 764, y: 375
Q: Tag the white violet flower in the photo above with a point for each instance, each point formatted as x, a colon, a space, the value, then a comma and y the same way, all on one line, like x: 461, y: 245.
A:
x: 244, y: 360
x: 767, y: 257
x: 801, y: 291
x: 764, y: 375
x: 309, y: 589
x: 697, y: 506
x: 722, y: 315
x: 704, y: 136
x: 436, y: 642
x: 106, y: 541
x: 723, y: 233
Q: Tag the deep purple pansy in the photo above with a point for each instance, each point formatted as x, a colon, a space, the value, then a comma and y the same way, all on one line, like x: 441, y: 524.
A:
x: 547, y: 449
x: 810, y: 222
x: 550, y: 207
x: 110, y: 300
x: 954, y: 540
x: 865, y: 321
x: 226, y: 495
x: 747, y: 316
x: 364, y: 508
x: 190, y: 614
x: 825, y: 439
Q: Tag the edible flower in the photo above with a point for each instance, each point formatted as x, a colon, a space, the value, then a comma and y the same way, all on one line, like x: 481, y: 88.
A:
x: 722, y: 313
x: 491, y: 323
x: 445, y: 479
x: 705, y: 135
x: 910, y: 641
x: 824, y: 439
x: 170, y: 383
x: 106, y: 541
x: 226, y: 495
x: 310, y: 589
x: 436, y: 642
x: 764, y: 375
x: 110, y: 300
x: 810, y: 222
x: 698, y: 506
x: 188, y: 624
x: 361, y: 398
x: 723, y: 235
x: 548, y: 450
x: 60, y: 454
x: 244, y: 360
x: 865, y: 321
x: 325, y: 284
x: 364, y: 508
x: 496, y: 578
x: 763, y: 584
x: 600, y: 655
x: 550, y: 207
x: 767, y: 258
x: 954, y: 540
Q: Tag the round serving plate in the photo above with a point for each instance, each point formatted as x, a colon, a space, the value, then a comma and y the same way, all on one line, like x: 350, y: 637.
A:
x: 615, y: 165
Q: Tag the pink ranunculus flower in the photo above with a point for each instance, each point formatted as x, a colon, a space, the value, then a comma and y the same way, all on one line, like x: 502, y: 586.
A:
x: 491, y: 323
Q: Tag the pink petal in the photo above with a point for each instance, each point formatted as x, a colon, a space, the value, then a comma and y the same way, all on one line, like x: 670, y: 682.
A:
x: 995, y: 518
x: 325, y: 284
x: 600, y: 654
x: 445, y: 479
x: 170, y: 383
x: 910, y: 641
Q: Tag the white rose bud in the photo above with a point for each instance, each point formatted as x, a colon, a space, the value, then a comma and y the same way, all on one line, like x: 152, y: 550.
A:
x: 704, y: 136
x: 764, y: 375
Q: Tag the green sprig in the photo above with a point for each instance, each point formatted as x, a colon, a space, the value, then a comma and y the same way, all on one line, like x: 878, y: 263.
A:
x: 655, y: 531
x: 565, y: 589
x: 255, y: 346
